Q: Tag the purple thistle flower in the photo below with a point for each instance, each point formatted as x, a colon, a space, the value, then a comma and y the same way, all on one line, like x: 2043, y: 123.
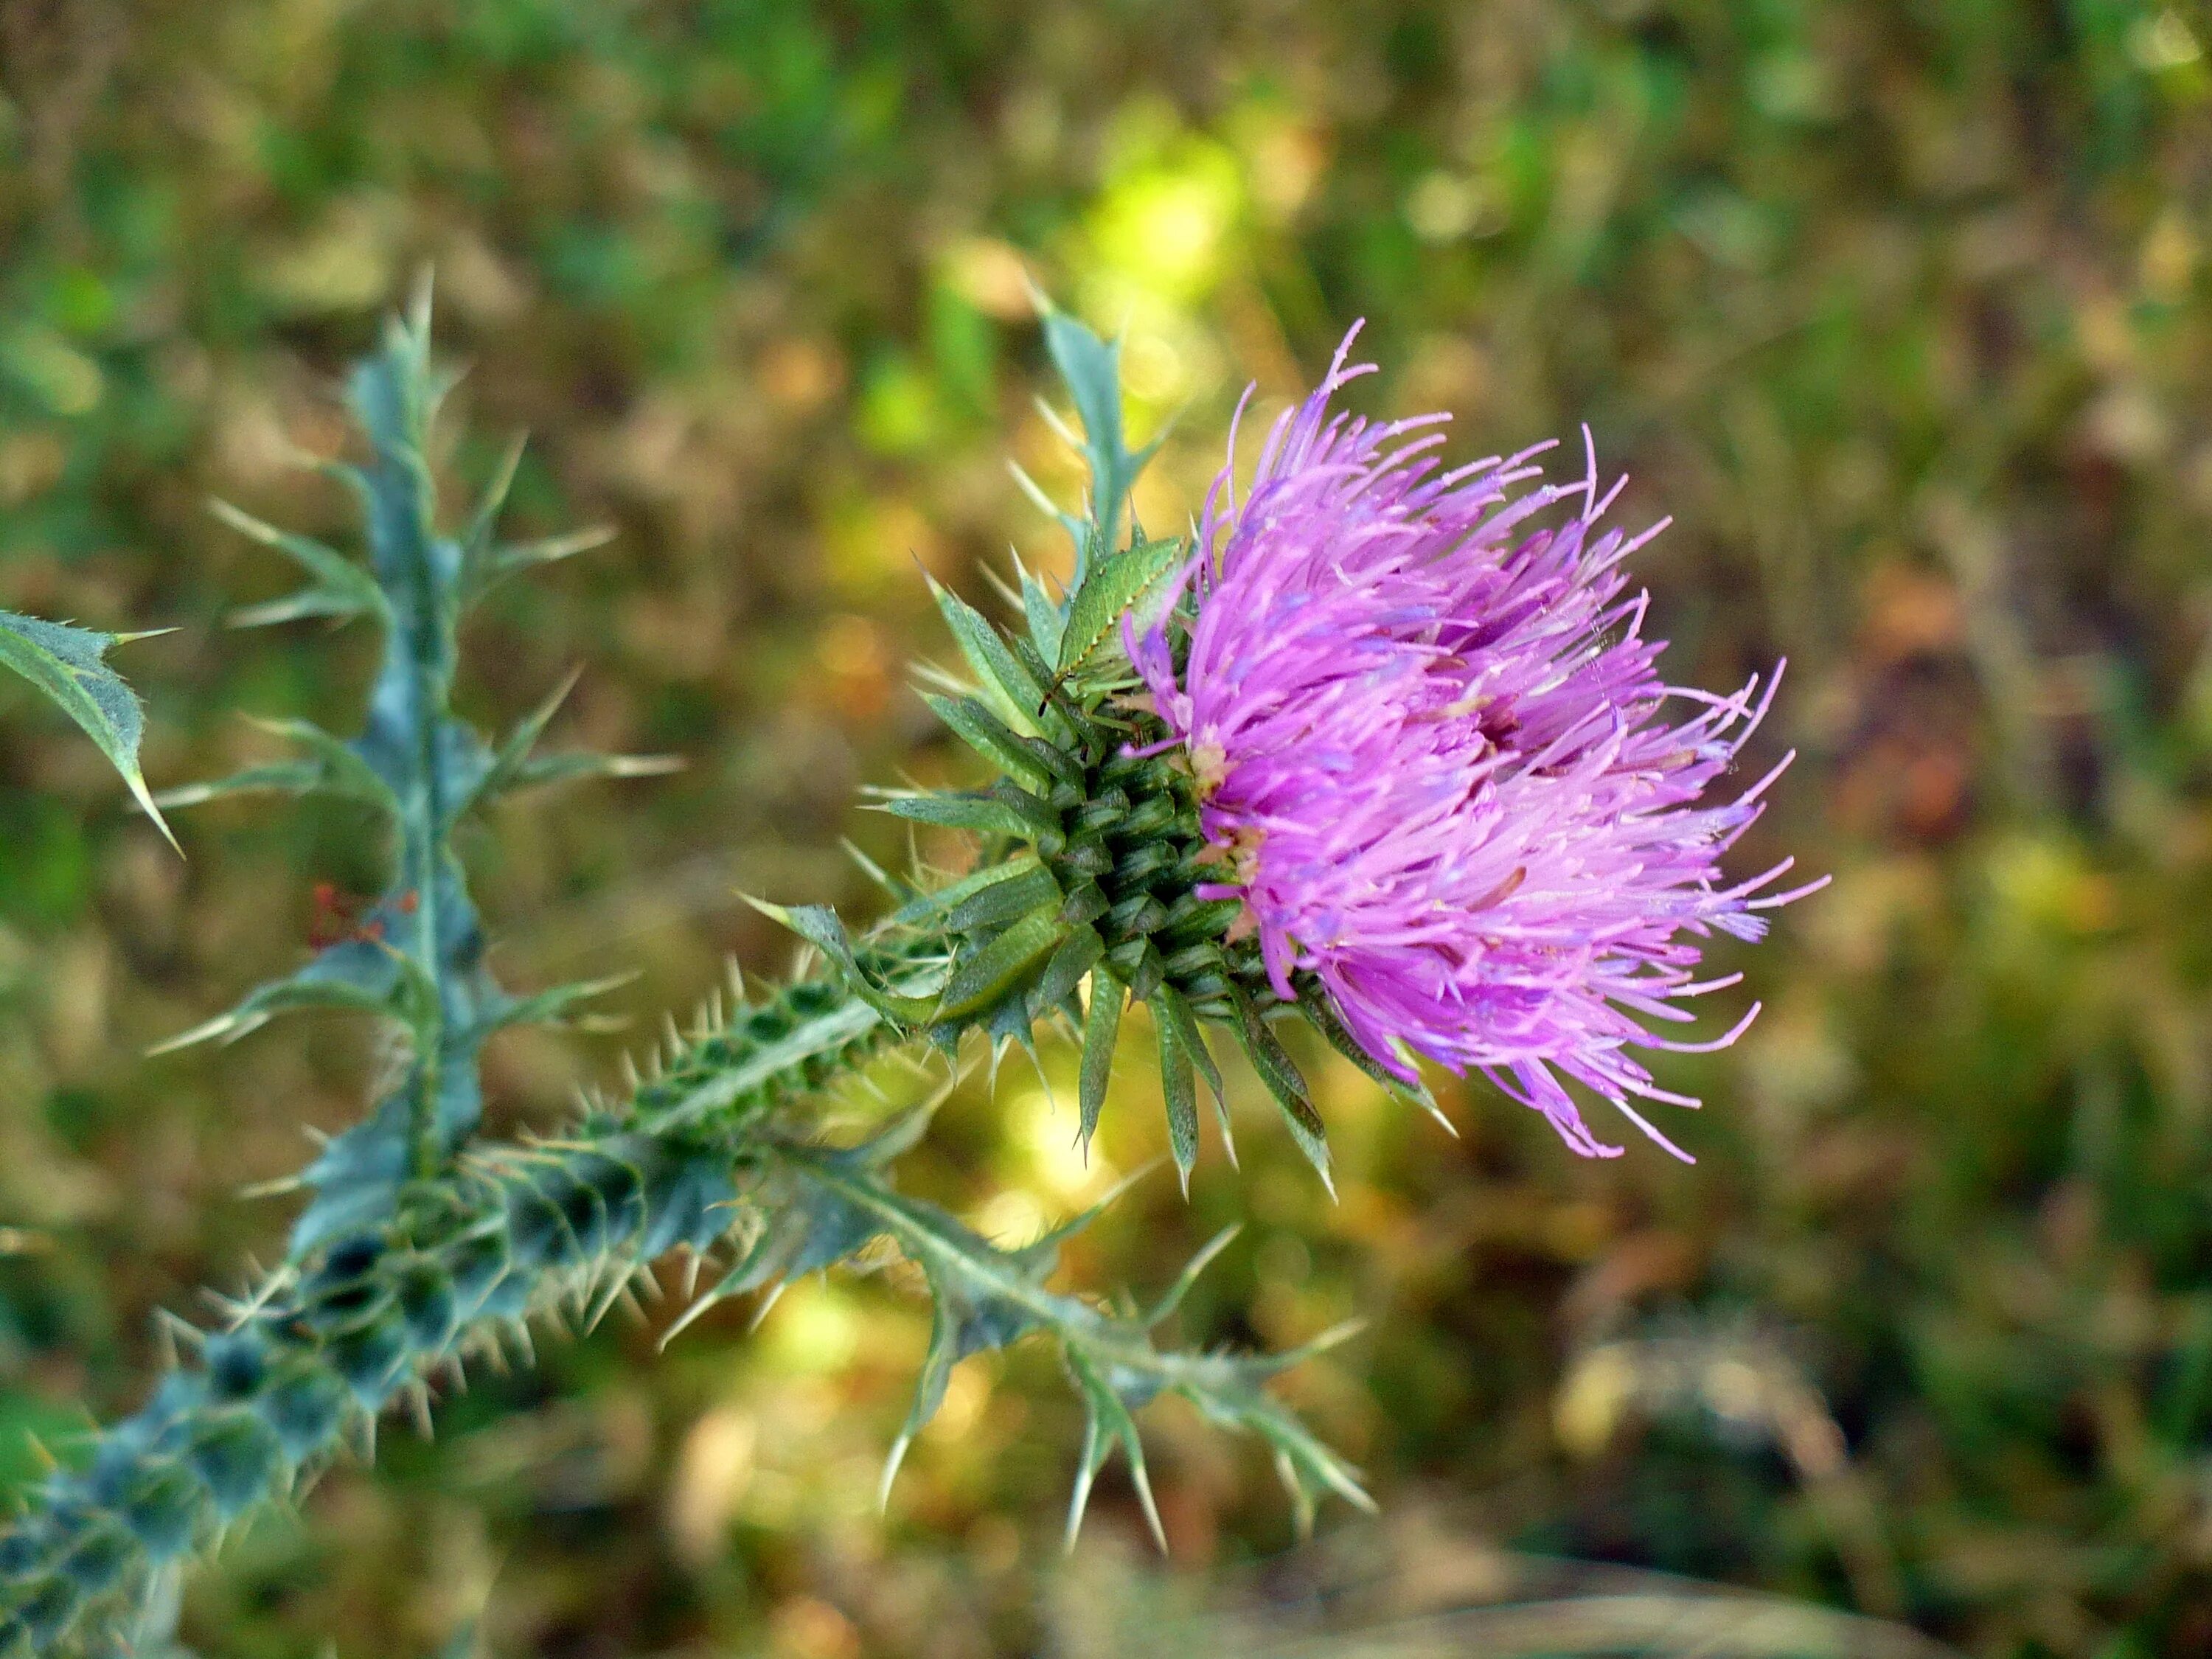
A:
x: 1441, y: 767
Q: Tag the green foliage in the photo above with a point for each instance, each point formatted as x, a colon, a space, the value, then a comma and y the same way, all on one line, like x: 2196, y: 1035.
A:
x: 69, y: 664
x: 417, y: 955
x: 1092, y: 370
x: 984, y: 1297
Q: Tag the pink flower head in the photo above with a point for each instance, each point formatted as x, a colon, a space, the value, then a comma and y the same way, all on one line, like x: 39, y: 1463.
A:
x: 1445, y: 776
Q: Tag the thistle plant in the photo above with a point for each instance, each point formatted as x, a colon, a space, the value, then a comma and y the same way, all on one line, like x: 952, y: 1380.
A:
x: 1362, y: 752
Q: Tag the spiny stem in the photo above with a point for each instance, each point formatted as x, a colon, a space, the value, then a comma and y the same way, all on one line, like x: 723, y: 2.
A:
x: 516, y: 1231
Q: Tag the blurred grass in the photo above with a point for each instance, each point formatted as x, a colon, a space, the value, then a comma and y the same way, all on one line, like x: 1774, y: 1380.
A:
x: 1900, y: 311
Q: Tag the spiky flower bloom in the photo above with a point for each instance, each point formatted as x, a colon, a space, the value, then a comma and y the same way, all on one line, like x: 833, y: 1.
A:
x: 1439, y: 765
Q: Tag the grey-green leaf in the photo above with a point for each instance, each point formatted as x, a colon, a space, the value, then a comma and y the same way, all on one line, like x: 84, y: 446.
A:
x: 1280, y: 1073
x: 1179, y: 1085
x: 331, y: 766
x: 360, y: 975
x: 1092, y: 369
x: 984, y: 732
x: 952, y: 812
x: 822, y: 927
x: 68, y: 665
x: 336, y: 587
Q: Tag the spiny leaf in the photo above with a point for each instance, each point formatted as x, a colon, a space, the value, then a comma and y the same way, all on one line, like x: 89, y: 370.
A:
x: 332, y: 766
x: 818, y: 1036
x: 1091, y: 368
x: 935, y: 907
x: 1173, y: 1011
x: 1280, y: 1073
x: 1078, y: 954
x: 1015, y: 695
x: 513, y: 558
x: 822, y: 927
x: 506, y: 762
x: 982, y: 732
x: 995, y: 1296
x: 1316, y: 1004
x: 339, y: 586
x: 541, y: 771
x: 1043, y: 614
x: 475, y: 540
x: 550, y: 1007
x: 359, y: 975
x: 985, y: 814
x: 1106, y: 1424
x: 1171, y: 1299
x: 1180, y: 1088
x: 1116, y: 585
x: 1034, y: 888
x: 514, y: 766
x: 67, y: 664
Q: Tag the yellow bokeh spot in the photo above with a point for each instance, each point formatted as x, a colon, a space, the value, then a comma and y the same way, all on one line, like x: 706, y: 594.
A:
x: 1163, y: 227
x: 813, y: 1328
x: 2046, y: 886
x: 1057, y: 1160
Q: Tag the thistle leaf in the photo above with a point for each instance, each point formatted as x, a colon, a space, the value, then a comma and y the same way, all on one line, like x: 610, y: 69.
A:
x: 1091, y: 368
x: 1106, y: 1424
x: 1044, y: 616
x: 1030, y: 888
x: 477, y: 539
x: 822, y: 928
x: 982, y: 732
x: 1320, y: 1009
x: 540, y: 771
x: 1081, y: 951
x: 550, y: 1007
x: 1015, y: 695
x: 1179, y: 1087
x: 332, y: 766
x: 68, y: 665
x: 1171, y: 1299
x: 509, y: 559
x: 514, y: 766
x: 1280, y: 1073
x: 937, y: 906
x: 360, y: 975
x: 1115, y: 586
x: 985, y: 814
x: 337, y: 587
x: 988, y: 1297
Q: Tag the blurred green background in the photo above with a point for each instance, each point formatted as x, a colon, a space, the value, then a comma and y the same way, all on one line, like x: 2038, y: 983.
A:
x: 1901, y: 310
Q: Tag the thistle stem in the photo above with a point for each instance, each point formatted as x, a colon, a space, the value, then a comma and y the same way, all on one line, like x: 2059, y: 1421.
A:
x: 700, y: 1159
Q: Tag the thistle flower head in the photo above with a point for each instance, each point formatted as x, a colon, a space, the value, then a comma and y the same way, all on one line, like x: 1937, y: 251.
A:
x: 1438, y: 764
